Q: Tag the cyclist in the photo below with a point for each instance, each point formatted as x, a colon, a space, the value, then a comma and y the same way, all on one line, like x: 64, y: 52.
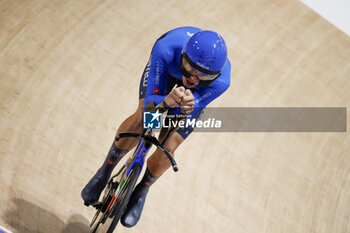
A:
x: 196, y: 61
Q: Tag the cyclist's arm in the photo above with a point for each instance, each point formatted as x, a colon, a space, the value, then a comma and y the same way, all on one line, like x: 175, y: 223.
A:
x: 157, y: 77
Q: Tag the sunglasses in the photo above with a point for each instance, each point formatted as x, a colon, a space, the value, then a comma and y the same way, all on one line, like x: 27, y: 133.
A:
x: 187, y: 66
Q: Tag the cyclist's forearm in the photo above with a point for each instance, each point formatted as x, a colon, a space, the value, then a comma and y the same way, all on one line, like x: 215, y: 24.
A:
x: 157, y: 99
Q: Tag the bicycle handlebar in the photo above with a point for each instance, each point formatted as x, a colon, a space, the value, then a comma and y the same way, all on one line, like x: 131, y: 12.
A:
x: 152, y: 140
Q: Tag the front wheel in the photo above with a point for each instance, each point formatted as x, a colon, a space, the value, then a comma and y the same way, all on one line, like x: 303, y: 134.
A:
x: 119, y: 203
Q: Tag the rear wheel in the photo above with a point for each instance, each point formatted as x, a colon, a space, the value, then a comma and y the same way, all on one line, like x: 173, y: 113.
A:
x: 107, y: 223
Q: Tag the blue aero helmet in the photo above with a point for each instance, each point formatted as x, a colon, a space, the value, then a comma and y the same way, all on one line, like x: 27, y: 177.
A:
x: 206, y: 52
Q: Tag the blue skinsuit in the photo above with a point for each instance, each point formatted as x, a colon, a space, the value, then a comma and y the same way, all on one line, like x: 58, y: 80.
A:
x: 163, y: 67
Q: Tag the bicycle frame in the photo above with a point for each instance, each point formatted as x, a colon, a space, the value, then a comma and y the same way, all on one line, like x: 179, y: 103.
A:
x: 139, y: 156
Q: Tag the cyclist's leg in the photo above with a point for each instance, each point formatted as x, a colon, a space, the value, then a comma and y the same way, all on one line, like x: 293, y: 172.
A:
x: 94, y: 187
x: 157, y: 164
x: 133, y: 123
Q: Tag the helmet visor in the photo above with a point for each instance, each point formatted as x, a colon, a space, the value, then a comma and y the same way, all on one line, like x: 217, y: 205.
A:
x: 187, y: 69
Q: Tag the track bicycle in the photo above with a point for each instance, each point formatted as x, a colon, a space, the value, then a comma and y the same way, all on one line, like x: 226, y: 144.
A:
x: 121, y: 185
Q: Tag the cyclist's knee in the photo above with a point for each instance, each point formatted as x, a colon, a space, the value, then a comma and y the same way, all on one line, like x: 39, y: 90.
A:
x: 174, y: 142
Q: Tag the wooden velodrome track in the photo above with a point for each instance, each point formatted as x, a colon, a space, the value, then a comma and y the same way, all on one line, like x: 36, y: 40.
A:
x: 69, y: 75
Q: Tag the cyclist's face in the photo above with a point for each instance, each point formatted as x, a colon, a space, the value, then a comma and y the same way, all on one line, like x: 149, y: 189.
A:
x: 193, y: 80
x: 192, y: 77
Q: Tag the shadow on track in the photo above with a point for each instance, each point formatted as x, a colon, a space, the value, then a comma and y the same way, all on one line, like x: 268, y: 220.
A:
x: 24, y: 216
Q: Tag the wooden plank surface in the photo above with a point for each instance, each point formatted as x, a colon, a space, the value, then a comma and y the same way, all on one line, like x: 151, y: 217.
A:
x: 69, y: 75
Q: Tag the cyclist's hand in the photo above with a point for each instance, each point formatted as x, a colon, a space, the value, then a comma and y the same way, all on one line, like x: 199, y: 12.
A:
x: 174, y: 98
x: 187, y: 102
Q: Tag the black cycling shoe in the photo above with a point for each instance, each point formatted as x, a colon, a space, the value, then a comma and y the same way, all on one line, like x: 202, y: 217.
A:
x: 93, y: 189
x: 133, y: 212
